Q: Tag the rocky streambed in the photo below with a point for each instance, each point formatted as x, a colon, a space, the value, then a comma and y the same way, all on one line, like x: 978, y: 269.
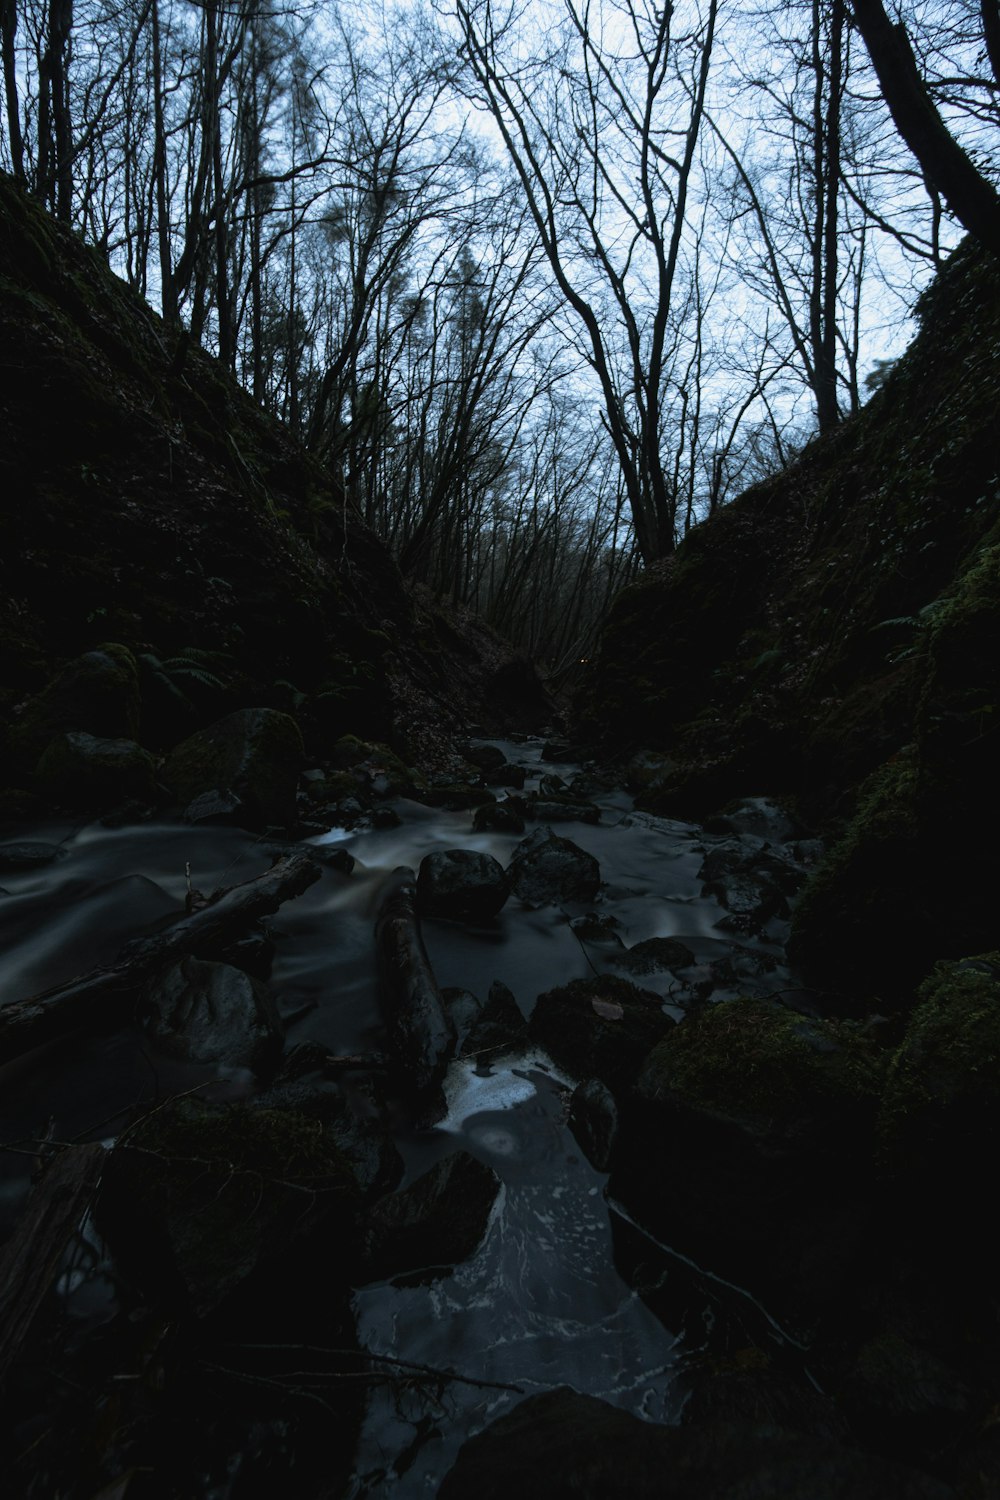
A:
x: 616, y: 1213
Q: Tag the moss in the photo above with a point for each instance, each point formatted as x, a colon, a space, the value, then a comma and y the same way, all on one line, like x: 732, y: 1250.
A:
x: 860, y: 910
x: 256, y: 752
x: 269, y: 1145
x: 750, y: 1057
x: 942, y: 1088
x: 377, y: 759
x: 196, y: 1198
x: 79, y: 770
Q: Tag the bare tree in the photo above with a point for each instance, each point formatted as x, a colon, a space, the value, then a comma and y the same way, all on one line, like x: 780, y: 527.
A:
x: 602, y: 132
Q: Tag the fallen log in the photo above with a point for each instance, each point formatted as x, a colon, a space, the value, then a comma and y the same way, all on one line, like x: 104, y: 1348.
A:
x: 418, y: 1026
x: 31, y: 1258
x: 103, y: 997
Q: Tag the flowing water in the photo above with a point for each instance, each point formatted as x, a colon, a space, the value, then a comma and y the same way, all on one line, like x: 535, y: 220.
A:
x: 541, y: 1303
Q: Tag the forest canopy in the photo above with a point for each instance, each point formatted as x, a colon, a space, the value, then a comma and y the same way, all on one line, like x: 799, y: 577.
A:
x: 543, y: 283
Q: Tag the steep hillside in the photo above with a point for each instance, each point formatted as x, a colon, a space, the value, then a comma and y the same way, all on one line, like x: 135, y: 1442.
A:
x: 834, y: 637
x: 147, y: 502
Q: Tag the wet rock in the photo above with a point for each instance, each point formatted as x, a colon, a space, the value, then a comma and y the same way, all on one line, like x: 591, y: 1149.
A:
x: 590, y: 784
x: 484, y: 757
x: 96, y: 694
x: 560, y: 750
x: 599, y: 1028
x: 79, y: 770
x: 759, y: 816
x: 564, y: 811
x: 751, y: 880
x: 220, y: 805
x: 654, y: 956
x: 595, y: 928
x: 16, y: 857
x: 545, y: 867
x: 463, y: 1010
x: 253, y: 953
x: 564, y: 1444
x: 374, y: 766
x: 212, y: 1012
x: 461, y: 884
x: 485, y: 1026
x: 506, y: 775
x: 498, y: 817
x: 255, y: 753
x: 195, y: 1199
x: 593, y: 1119
x: 551, y: 786
x: 435, y: 1222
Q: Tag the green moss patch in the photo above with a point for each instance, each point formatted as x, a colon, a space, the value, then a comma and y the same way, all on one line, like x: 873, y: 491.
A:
x: 750, y: 1057
x: 942, y: 1091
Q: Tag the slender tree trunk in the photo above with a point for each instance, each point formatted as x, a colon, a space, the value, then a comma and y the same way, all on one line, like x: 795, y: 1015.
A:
x: 168, y: 291
x: 8, y: 43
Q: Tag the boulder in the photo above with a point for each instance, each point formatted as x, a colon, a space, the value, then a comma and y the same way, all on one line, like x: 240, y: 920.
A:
x: 747, y: 1145
x: 760, y: 816
x: 96, y: 693
x: 751, y: 880
x: 654, y: 956
x: 485, y: 1026
x: 373, y: 766
x: 484, y: 757
x: 497, y: 817
x: 435, y: 1222
x: 940, y: 1104
x: 255, y: 753
x: 22, y: 855
x: 196, y: 1198
x: 79, y: 770
x: 546, y: 868
x: 563, y: 810
x: 599, y: 1028
x: 461, y: 884
x: 212, y: 1012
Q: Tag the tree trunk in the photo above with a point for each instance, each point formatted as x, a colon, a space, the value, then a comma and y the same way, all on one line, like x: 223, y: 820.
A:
x: 948, y: 169
x: 104, y: 996
x: 8, y: 41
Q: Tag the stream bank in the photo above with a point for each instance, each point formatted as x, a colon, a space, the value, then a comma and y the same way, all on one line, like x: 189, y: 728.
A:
x: 335, y: 1300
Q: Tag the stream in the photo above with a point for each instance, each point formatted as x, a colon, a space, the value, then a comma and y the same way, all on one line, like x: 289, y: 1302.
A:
x: 541, y: 1303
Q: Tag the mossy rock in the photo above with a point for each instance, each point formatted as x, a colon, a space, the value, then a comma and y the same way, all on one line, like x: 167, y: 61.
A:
x: 255, y: 752
x: 79, y: 770
x: 600, y: 1028
x: 862, y: 919
x: 942, y: 1091
x: 376, y: 763
x: 97, y: 693
x: 196, y: 1198
x: 752, y: 1060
